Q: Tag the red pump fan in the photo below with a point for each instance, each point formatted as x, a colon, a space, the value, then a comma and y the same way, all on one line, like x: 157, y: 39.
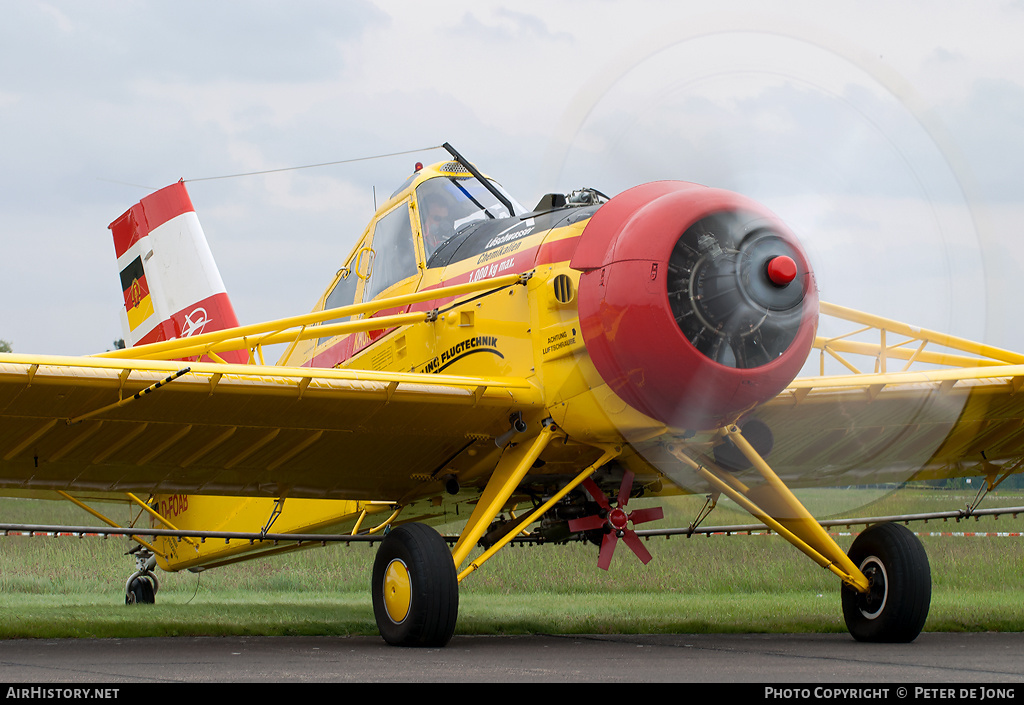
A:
x: 615, y: 521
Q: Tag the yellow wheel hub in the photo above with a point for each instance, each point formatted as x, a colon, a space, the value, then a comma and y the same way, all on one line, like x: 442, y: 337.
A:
x: 397, y: 591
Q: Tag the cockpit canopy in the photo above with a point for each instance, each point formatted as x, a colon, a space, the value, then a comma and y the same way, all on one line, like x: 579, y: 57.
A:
x: 447, y: 203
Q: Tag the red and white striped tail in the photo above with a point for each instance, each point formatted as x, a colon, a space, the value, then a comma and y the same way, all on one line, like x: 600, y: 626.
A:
x: 172, y: 287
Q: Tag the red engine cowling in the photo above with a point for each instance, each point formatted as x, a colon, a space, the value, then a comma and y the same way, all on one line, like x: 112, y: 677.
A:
x: 696, y: 304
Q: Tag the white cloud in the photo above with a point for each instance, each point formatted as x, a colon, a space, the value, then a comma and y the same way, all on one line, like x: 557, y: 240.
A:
x: 60, y: 20
x: 799, y: 102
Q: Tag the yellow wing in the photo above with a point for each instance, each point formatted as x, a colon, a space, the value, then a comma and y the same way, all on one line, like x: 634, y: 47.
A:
x: 84, y: 424
x: 259, y: 431
x: 962, y: 417
x: 897, y: 427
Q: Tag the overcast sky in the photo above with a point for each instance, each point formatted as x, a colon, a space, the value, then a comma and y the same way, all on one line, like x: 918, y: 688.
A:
x: 888, y: 134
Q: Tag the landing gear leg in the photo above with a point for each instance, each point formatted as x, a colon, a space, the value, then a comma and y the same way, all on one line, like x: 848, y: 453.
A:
x: 887, y: 583
x: 415, y: 588
x: 895, y: 607
x: 142, y: 586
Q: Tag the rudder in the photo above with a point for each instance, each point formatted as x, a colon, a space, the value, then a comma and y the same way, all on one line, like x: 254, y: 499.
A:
x: 172, y: 287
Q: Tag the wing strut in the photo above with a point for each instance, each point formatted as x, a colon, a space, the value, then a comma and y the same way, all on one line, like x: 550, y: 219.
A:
x: 775, y: 505
x: 109, y: 522
x: 313, y: 325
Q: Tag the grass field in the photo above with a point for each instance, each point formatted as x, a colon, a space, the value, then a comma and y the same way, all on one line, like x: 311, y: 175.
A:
x: 59, y: 586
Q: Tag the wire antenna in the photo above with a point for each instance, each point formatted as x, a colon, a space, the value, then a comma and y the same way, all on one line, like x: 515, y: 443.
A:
x: 312, y: 166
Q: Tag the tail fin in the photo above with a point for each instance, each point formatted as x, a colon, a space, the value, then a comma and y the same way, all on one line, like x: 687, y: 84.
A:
x: 172, y: 288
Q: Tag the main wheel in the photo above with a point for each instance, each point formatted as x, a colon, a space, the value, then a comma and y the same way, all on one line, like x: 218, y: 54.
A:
x: 415, y: 588
x: 896, y: 606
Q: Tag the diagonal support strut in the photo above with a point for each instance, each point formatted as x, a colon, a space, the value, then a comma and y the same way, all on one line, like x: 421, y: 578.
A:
x: 775, y: 505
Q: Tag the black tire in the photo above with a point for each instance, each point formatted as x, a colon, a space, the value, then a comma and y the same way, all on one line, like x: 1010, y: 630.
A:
x: 894, y: 610
x: 140, y: 592
x: 424, y: 613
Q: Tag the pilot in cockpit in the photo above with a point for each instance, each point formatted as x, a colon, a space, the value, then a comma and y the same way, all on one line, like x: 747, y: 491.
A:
x: 437, y: 223
x: 437, y: 218
x: 454, y: 201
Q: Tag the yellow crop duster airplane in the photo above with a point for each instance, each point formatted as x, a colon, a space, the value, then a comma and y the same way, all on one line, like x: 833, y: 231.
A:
x: 527, y: 371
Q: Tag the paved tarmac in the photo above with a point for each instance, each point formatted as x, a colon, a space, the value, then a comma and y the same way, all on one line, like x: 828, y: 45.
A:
x: 718, y: 658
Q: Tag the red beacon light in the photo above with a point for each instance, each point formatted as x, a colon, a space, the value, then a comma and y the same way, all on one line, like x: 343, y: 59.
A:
x: 419, y: 167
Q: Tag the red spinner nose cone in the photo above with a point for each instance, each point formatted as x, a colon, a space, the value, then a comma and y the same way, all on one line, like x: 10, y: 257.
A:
x: 781, y: 270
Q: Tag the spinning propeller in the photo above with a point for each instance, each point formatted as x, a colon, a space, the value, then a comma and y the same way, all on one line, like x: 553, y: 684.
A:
x: 615, y: 521
x: 696, y: 305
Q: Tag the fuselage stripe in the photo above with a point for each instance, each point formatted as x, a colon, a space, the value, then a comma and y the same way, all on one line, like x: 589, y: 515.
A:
x: 545, y: 253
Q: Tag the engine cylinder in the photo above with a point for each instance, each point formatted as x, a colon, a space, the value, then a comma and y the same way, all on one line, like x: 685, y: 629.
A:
x: 696, y: 304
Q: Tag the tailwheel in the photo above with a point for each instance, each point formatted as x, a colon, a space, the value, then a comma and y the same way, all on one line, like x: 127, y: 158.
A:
x: 896, y: 606
x: 140, y: 591
x: 415, y: 588
x: 141, y: 586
